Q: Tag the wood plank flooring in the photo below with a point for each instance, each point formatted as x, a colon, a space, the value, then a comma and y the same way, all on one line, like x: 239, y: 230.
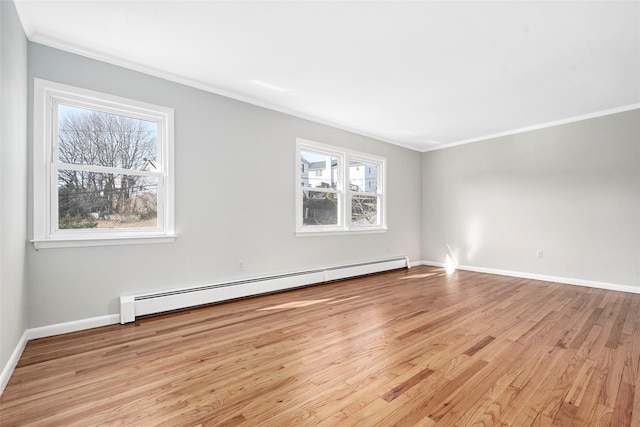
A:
x: 408, y: 347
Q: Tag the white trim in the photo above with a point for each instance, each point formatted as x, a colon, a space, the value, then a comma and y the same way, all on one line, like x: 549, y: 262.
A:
x: 419, y: 262
x: 106, y: 169
x: 134, y: 66
x: 107, y: 241
x: 339, y: 192
x: 539, y: 126
x: 542, y: 277
x: 73, y: 326
x: 45, y: 229
x: 112, y: 319
x: 342, y: 192
x: 48, y: 331
x: 325, y: 232
x: 7, y: 370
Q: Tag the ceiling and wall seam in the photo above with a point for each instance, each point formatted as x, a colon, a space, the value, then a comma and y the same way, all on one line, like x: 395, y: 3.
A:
x: 478, y: 82
x: 57, y: 44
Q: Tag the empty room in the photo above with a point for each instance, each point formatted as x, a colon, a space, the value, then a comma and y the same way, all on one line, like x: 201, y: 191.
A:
x: 297, y: 213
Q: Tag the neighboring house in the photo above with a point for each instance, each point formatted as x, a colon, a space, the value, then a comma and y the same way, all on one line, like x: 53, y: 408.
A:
x: 320, y: 176
x: 363, y: 177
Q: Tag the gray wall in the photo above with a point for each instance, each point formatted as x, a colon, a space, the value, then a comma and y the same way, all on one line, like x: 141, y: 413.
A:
x: 235, y: 200
x: 572, y: 191
x: 13, y: 180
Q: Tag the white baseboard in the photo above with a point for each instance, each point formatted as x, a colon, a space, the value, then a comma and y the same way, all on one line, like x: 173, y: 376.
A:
x: 8, y: 369
x: 417, y: 263
x: 74, y: 326
x: 542, y: 277
x: 49, y: 331
x: 112, y: 319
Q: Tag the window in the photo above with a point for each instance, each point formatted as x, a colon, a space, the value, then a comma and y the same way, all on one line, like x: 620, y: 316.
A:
x: 344, y: 194
x: 103, y: 169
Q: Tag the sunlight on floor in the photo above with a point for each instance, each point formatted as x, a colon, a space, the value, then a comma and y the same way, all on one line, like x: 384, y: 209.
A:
x: 344, y: 299
x: 418, y: 276
x: 295, y: 304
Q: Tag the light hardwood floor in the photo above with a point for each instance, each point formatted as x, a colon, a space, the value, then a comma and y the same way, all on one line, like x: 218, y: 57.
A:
x: 408, y: 347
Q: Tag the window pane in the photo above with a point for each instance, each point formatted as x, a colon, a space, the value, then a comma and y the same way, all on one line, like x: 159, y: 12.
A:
x: 106, y: 200
x: 364, y: 210
x: 363, y: 177
x: 88, y: 137
x: 319, y: 208
x: 319, y: 170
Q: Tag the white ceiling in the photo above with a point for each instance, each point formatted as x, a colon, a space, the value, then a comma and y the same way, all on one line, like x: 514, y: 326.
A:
x: 418, y: 74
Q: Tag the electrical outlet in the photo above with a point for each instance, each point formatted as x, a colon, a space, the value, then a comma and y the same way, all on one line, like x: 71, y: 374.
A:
x: 240, y: 265
x: 540, y: 254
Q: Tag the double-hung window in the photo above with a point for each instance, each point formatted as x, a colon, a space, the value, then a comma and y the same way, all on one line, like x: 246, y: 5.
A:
x: 338, y: 190
x: 103, y: 169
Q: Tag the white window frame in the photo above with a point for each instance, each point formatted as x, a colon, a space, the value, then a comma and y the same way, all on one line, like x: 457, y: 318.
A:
x: 46, y: 234
x: 343, y: 191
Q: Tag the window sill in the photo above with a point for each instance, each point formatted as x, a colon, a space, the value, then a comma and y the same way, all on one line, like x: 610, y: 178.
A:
x: 340, y: 232
x: 103, y: 241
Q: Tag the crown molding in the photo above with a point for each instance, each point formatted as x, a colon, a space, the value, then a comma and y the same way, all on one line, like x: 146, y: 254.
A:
x: 145, y: 69
x: 540, y: 126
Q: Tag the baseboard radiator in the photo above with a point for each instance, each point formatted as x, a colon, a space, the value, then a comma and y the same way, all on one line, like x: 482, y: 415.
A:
x: 132, y: 306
